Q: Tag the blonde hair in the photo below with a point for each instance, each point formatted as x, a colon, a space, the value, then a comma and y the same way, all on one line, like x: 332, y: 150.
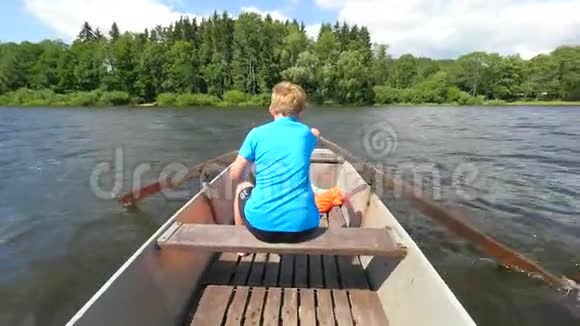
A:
x: 287, y: 99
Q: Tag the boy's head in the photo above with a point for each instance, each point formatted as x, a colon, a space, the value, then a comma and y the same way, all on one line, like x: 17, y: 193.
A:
x: 288, y: 99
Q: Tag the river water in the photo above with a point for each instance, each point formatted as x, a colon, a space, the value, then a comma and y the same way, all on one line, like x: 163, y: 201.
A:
x: 515, y: 170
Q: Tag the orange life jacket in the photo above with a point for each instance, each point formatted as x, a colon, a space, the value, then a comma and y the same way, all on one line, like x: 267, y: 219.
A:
x: 327, y: 199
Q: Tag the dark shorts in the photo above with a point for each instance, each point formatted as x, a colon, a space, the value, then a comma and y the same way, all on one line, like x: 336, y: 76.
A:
x: 269, y: 236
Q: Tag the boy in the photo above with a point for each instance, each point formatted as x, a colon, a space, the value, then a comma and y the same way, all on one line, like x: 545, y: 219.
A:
x: 280, y: 207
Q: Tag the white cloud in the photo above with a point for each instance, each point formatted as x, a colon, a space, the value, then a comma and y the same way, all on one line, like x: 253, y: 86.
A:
x: 275, y: 14
x: 447, y: 28
x: 67, y: 16
x: 312, y: 31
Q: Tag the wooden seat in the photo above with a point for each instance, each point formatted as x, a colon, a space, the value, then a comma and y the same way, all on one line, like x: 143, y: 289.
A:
x: 243, y: 305
x: 325, y: 241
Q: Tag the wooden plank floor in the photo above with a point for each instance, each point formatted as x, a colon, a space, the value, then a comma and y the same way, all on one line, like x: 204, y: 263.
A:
x: 271, y: 289
x: 243, y: 305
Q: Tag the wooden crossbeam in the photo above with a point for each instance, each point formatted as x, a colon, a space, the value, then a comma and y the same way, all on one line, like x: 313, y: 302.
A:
x: 324, y: 241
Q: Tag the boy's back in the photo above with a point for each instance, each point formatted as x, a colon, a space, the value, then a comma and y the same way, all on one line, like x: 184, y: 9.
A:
x: 282, y: 199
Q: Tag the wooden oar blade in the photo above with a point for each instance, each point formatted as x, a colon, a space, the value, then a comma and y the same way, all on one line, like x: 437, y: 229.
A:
x: 453, y: 221
x: 131, y: 198
x: 575, y: 277
x: 456, y: 222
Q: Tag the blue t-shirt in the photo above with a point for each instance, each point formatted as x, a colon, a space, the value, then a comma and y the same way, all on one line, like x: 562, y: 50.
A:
x: 282, y: 199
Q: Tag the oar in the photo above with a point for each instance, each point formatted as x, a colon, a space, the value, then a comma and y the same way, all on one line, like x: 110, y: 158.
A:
x: 454, y: 221
x: 131, y: 198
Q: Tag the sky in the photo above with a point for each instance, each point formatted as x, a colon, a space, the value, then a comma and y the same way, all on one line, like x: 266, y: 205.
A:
x: 433, y: 28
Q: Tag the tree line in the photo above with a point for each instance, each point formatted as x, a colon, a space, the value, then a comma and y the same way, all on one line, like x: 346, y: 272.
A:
x: 220, y: 60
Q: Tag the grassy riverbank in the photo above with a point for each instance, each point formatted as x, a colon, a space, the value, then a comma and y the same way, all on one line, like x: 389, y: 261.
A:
x: 543, y: 103
x: 489, y: 104
x: 99, y: 98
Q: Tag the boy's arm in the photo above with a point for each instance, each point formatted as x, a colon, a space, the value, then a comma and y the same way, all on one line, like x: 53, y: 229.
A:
x: 238, y: 168
x: 245, y: 157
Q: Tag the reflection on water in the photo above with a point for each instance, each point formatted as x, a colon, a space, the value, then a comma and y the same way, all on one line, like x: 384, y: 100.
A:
x: 59, y: 243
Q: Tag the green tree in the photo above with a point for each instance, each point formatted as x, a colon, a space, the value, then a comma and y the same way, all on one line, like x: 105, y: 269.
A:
x: 360, y: 40
x: 432, y: 90
x: 99, y: 36
x: 182, y: 72
x: 426, y: 67
x: 66, y: 71
x: 13, y: 68
x: 380, y: 64
x: 269, y: 57
x: 294, y: 44
x: 403, y: 71
x: 122, y: 61
x: 353, y: 83
x: 151, y: 72
x: 114, y: 33
x: 305, y: 73
x: 543, y: 78
x: 45, y: 71
x: 567, y: 62
x: 216, y: 53
x: 471, y: 71
x: 327, y: 50
x: 89, y: 67
x: 246, y: 66
x: 86, y: 34
x: 502, y: 77
x: 327, y: 47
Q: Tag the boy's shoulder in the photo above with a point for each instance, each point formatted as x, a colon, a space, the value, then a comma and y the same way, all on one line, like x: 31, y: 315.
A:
x: 264, y: 126
x: 276, y: 125
x: 260, y: 130
x: 269, y: 128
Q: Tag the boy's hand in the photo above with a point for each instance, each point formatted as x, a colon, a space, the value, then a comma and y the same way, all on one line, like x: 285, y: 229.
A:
x: 315, y: 132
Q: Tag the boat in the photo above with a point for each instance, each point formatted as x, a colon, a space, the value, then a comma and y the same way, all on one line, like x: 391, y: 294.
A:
x: 189, y: 272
